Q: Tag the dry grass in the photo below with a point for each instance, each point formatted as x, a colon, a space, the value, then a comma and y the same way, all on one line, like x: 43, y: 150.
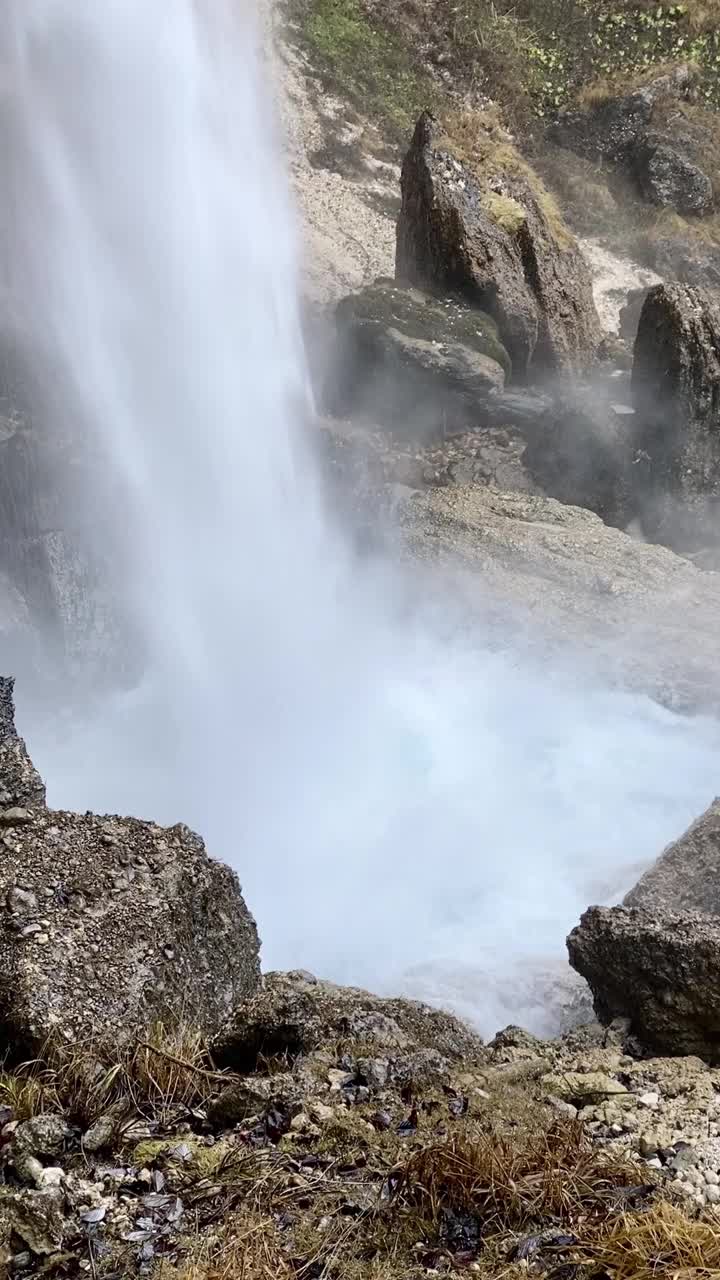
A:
x: 247, y: 1248
x: 662, y: 1242
x: 626, y: 81
x: 479, y: 138
x: 168, y: 1073
x: 513, y: 1181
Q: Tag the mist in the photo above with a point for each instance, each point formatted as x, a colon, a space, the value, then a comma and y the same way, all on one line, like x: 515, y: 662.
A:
x: 412, y: 803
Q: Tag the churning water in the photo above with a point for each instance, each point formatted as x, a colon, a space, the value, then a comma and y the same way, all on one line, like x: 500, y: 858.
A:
x: 404, y: 812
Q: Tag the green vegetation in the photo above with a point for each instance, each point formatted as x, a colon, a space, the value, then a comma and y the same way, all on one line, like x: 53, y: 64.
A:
x: 394, y: 57
x: 368, y: 63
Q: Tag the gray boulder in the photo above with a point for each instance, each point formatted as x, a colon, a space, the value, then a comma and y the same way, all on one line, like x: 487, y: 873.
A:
x: 676, y: 393
x: 660, y: 972
x: 294, y: 1013
x: 686, y: 876
x: 109, y: 924
x: 568, y: 581
x: 420, y: 364
x: 476, y: 220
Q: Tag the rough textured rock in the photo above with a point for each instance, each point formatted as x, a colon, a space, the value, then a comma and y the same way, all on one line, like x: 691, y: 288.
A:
x: 686, y: 876
x: 109, y: 924
x: 667, y: 178
x: 568, y: 580
x: 20, y: 782
x: 421, y: 364
x: 294, y: 1012
x: 645, y: 136
x: 676, y: 391
x: 661, y: 972
x: 582, y: 452
x: 483, y: 227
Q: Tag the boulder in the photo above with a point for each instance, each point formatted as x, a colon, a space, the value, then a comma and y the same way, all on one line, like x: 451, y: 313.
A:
x: 294, y: 1013
x: 662, y: 972
x: 676, y: 393
x: 109, y: 924
x: 630, y: 313
x: 476, y: 220
x: 566, y: 580
x: 647, y: 138
x: 668, y: 179
x: 686, y: 876
x: 581, y: 453
x: 418, y: 363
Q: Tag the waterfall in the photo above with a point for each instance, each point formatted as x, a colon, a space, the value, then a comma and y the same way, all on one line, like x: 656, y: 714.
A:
x: 406, y: 809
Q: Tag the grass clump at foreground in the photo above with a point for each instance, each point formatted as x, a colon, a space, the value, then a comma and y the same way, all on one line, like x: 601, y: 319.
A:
x: 445, y: 1179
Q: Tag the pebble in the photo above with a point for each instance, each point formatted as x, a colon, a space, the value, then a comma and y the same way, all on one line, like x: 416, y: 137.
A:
x: 650, y: 1100
x: 712, y: 1194
x: 712, y: 1178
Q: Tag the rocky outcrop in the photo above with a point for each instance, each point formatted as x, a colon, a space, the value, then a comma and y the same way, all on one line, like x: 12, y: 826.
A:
x: 567, y: 579
x: 109, y: 924
x: 676, y: 391
x: 294, y: 1013
x: 582, y: 452
x: 423, y: 365
x: 646, y: 137
x: 475, y: 220
x: 686, y: 876
x: 662, y: 972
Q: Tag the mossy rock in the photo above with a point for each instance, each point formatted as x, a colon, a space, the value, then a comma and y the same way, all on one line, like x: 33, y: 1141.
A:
x: 426, y: 317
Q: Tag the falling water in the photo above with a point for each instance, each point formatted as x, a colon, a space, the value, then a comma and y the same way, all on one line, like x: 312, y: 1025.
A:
x: 404, y: 812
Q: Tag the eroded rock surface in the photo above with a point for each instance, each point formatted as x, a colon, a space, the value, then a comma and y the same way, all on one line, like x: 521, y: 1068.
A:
x: 686, y: 876
x: 293, y: 1013
x: 475, y: 223
x: 676, y: 390
x: 108, y: 924
x: 423, y: 364
x: 661, y: 971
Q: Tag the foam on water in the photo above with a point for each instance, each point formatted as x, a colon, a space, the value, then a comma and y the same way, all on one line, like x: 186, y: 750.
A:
x: 405, y: 809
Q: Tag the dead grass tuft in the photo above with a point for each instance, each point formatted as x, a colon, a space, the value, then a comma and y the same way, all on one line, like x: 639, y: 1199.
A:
x: 168, y: 1073
x: 480, y: 139
x: 248, y: 1248
x: 512, y: 1181
x: 662, y: 1242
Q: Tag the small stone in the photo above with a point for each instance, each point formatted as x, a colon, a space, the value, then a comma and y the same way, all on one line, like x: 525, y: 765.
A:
x: 15, y: 817
x: 712, y: 1178
x: 712, y: 1194
x: 654, y: 1163
x: 649, y: 1100
x: 50, y: 1177
x: 42, y: 939
x: 21, y: 901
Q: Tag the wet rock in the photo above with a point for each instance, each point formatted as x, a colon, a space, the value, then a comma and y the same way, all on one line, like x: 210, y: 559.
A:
x: 567, y: 579
x: 582, y: 453
x: 660, y: 971
x: 423, y: 365
x: 630, y: 314
x: 292, y: 1016
x: 686, y: 876
x: 166, y: 927
x: 475, y: 224
x: 676, y: 394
